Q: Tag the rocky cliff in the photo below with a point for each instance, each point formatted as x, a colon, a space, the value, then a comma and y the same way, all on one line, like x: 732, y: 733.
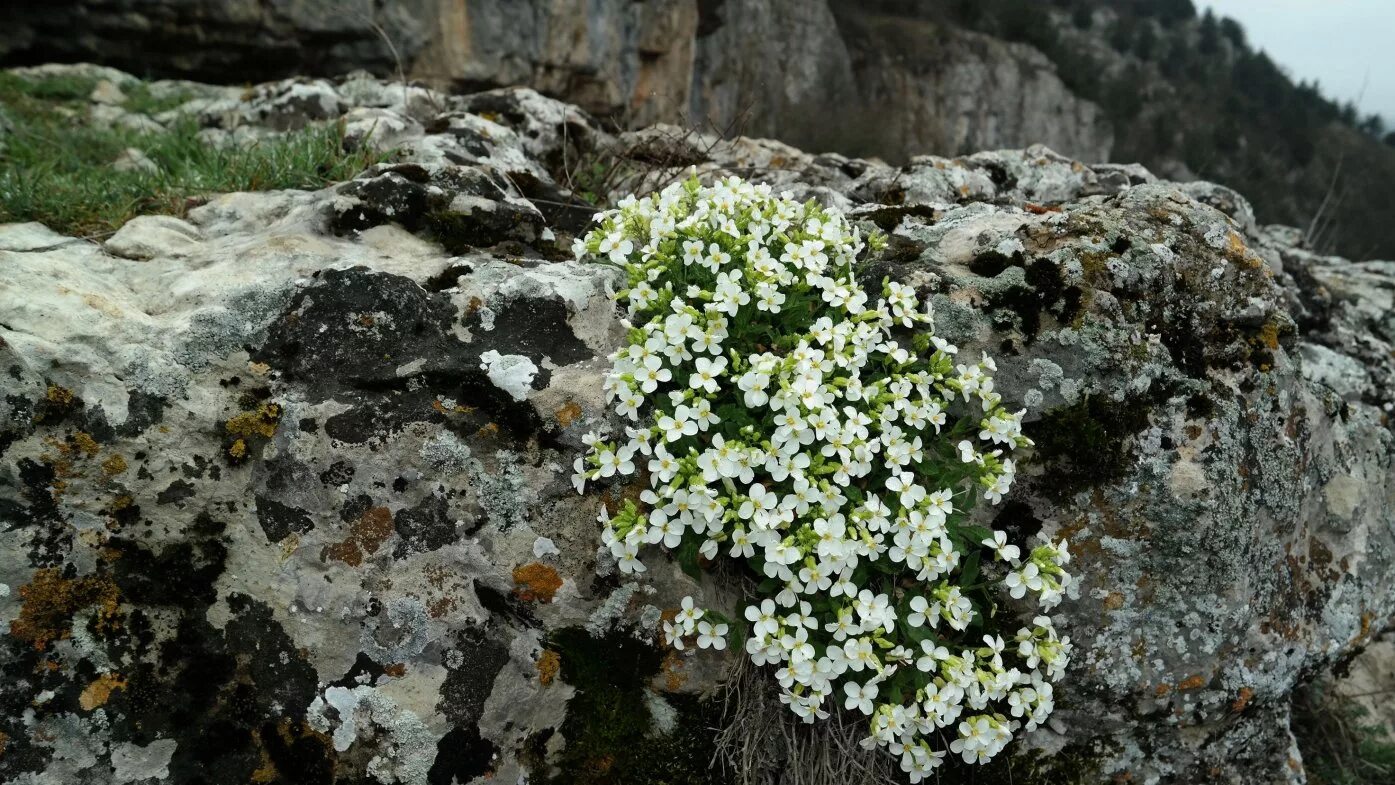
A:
x: 271, y: 511
x: 790, y: 69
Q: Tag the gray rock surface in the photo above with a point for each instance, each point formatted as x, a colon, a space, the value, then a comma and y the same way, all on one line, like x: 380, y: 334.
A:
x: 288, y: 498
x: 150, y: 236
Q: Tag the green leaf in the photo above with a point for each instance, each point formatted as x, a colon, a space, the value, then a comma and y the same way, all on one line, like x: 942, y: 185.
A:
x: 969, y: 573
x: 687, y: 556
x: 974, y: 535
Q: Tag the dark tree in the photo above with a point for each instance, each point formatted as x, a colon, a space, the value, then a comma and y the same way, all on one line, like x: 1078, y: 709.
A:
x: 1209, y: 41
x: 1231, y: 29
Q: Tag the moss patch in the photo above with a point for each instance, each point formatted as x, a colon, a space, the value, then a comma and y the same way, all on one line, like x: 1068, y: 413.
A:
x: 1074, y: 765
x: 1087, y: 444
x: 610, y: 734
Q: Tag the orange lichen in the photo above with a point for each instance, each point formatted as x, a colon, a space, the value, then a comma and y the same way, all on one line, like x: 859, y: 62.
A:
x: 549, y: 665
x: 366, y: 535
x: 85, y: 443
x: 441, y: 406
x: 1240, y: 254
x: 50, y: 601
x: 672, y: 669
x: 1162, y: 690
x: 568, y: 414
x: 114, y: 465
x: 536, y: 582
x: 262, y: 422
x: 1191, y: 683
x: 99, y: 692
x: 396, y: 670
x: 266, y: 772
x: 1113, y: 601
x: 1243, y: 700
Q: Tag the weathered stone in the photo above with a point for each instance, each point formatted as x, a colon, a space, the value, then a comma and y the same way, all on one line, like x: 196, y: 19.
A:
x: 133, y: 160
x: 107, y: 92
x: 892, y: 83
x: 31, y: 236
x: 148, y: 236
x: 290, y: 498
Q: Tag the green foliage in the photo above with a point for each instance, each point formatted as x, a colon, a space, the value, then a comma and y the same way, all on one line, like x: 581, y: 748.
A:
x: 791, y: 432
x: 1087, y: 441
x: 609, y: 731
x: 56, y: 162
x: 1340, y: 745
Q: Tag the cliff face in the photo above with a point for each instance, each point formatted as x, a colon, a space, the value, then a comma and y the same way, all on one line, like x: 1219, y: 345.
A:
x: 269, y: 512
x: 854, y: 81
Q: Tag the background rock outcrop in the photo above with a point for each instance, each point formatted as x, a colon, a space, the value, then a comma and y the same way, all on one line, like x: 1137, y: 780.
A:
x: 285, y: 495
x: 811, y: 73
x: 1161, y: 82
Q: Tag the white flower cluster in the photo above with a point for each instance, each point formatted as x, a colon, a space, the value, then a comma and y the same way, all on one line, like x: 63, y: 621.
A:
x: 783, y: 417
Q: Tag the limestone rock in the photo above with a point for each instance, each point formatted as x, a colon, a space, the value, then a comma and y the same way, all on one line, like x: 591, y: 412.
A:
x: 820, y: 74
x: 149, y: 236
x: 298, y: 481
x: 106, y: 92
x: 133, y: 160
x: 31, y: 236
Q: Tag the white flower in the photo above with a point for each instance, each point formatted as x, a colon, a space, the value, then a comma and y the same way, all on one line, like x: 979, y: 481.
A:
x: 616, y: 247
x: 652, y: 373
x: 1019, y: 581
x: 781, y: 423
x: 763, y: 618
x: 860, y: 696
x: 612, y: 462
x: 920, y: 612
x: 673, y: 428
x: 1004, y: 552
x: 706, y: 372
x: 711, y: 636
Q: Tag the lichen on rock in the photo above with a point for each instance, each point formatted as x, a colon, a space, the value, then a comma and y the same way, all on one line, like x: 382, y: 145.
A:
x: 358, y: 592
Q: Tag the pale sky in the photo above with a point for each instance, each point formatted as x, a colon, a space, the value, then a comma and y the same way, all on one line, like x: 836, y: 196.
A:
x: 1344, y: 44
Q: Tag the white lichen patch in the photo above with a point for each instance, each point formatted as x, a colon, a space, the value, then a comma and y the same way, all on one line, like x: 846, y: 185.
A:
x: 136, y: 763
x: 512, y: 373
x: 409, y: 749
x: 544, y: 546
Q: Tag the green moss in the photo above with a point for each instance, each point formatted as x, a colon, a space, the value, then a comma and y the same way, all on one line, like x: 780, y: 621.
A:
x: 1086, y: 444
x: 1075, y: 765
x: 56, y: 163
x: 609, y: 732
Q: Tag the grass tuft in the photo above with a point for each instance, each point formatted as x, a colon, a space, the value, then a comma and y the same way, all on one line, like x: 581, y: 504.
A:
x: 56, y: 162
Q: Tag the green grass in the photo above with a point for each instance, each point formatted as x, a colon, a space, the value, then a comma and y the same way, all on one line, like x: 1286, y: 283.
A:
x: 1340, y: 746
x: 55, y: 162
